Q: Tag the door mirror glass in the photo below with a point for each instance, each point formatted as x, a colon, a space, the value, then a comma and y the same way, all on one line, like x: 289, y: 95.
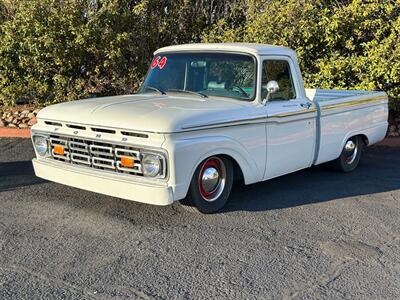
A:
x: 272, y: 87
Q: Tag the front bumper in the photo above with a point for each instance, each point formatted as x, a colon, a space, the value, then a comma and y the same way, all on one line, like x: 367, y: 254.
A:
x: 104, y: 183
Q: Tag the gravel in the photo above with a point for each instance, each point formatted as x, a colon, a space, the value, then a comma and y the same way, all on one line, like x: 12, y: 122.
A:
x: 314, y: 234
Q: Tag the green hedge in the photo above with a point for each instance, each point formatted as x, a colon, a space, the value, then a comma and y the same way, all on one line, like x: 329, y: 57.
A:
x: 60, y: 50
x: 352, y: 45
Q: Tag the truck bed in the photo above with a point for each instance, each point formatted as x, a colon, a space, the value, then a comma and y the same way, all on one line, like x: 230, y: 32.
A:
x: 320, y: 95
x: 345, y: 113
x: 346, y: 99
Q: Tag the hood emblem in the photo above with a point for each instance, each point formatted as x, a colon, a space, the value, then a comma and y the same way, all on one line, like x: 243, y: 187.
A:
x: 98, y: 136
x: 75, y: 132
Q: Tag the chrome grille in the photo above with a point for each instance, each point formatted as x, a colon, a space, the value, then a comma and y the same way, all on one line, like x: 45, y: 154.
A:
x: 97, y: 155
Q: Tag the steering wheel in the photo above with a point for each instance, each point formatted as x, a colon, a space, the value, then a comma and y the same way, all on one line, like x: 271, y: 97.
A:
x: 240, y: 90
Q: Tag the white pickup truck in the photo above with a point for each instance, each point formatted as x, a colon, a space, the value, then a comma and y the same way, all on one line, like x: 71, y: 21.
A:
x: 206, y: 114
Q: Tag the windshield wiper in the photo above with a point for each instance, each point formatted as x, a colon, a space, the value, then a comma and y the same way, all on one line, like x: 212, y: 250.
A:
x: 154, y: 89
x: 188, y: 92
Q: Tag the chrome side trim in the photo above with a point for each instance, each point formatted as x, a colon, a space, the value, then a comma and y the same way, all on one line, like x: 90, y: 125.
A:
x: 294, y: 113
x: 251, y: 121
x: 331, y: 112
x: 354, y: 102
x: 292, y: 117
x: 227, y: 123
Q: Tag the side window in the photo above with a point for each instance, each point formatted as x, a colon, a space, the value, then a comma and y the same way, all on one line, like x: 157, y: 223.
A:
x: 278, y: 70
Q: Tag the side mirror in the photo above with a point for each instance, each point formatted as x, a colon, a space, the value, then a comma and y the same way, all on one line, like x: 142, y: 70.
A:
x: 272, y: 87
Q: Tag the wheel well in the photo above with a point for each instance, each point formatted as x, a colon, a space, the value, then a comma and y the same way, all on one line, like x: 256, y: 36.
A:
x: 364, y: 138
x: 237, y: 171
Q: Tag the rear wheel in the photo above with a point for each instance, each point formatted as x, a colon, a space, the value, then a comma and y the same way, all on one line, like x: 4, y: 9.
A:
x: 211, y: 185
x: 350, y: 156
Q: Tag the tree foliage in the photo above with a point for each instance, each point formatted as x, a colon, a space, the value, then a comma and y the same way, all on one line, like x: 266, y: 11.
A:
x: 60, y: 50
x: 341, y: 44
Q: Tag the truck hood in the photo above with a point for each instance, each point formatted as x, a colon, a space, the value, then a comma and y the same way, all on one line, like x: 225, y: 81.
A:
x: 148, y: 112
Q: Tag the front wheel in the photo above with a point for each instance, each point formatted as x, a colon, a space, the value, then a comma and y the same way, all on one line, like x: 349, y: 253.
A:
x: 350, y: 156
x: 211, y: 185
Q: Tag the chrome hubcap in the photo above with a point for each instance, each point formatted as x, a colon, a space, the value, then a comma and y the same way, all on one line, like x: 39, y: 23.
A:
x: 212, y: 179
x: 351, y: 149
x: 350, y: 146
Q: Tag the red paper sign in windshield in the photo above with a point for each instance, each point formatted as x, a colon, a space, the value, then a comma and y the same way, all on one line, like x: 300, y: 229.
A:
x: 162, y: 63
x: 155, y: 62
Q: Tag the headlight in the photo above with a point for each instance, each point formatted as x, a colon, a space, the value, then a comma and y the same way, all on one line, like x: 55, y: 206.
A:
x: 152, y: 165
x: 40, y: 144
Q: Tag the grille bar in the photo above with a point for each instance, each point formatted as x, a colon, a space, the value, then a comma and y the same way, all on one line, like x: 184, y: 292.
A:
x: 103, y: 162
x: 58, y: 141
x: 101, y: 150
x: 81, y: 158
x: 64, y: 157
x: 137, y: 167
x: 126, y: 152
x: 78, y: 146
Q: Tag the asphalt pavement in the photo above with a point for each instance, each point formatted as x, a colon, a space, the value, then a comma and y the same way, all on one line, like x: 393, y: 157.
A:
x: 313, y: 234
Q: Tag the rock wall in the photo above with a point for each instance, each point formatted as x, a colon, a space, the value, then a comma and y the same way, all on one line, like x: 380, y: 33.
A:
x: 17, y: 117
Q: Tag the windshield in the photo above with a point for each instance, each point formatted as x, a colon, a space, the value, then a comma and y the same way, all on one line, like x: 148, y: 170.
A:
x: 204, y: 74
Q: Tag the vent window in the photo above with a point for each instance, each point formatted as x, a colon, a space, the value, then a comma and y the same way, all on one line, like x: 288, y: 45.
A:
x: 135, y: 134
x: 76, y: 127
x: 102, y: 130
x: 53, y: 123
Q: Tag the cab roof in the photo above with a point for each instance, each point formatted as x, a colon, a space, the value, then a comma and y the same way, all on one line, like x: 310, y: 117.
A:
x: 251, y: 48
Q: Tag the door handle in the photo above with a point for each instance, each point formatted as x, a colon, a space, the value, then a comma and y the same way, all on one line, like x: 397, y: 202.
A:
x: 306, y: 105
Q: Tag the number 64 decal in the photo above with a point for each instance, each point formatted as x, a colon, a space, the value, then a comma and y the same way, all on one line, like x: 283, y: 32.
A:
x: 160, y: 62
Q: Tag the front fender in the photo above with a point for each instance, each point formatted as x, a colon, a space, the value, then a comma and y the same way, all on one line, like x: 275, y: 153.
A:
x: 186, y: 154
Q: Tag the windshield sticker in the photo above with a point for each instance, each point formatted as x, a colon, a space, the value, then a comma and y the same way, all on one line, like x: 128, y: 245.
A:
x: 155, y: 62
x: 162, y: 63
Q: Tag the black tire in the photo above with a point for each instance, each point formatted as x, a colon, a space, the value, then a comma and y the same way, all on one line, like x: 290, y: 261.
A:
x: 214, y: 200
x: 349, y: 159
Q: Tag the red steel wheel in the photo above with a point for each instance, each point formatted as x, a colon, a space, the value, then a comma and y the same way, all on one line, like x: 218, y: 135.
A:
x: 211, y: 179
x: 210, y: 186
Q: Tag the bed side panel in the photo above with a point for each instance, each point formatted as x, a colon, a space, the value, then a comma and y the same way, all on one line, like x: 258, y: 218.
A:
x: 342, y: 118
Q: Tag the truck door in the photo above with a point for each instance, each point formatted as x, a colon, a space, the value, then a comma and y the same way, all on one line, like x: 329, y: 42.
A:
x: 291, y: 119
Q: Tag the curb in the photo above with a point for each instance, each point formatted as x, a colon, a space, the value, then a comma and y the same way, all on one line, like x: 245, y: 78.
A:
x: 15, y: 133
x: 390, y: 142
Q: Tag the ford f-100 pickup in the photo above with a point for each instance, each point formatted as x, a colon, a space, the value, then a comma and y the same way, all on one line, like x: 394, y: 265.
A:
x: 205, y: 115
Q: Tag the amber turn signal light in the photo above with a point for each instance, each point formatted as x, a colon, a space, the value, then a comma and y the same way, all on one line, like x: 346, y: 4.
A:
x: 127, y: 162
x: 59, y: 150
